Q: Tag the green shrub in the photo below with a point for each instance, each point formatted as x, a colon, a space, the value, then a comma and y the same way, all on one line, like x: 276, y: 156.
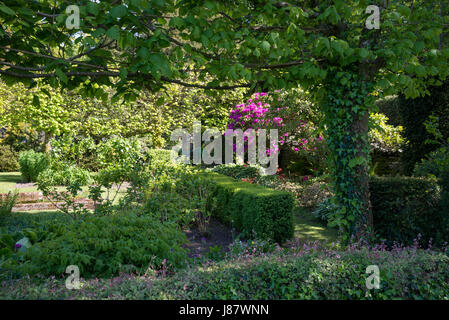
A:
x: 66, y: 175
x: 31, y: 164
x: 73, y: 150
x: 430, y: 165
x: 159, y: 155
x: 256, y: 211
x: 178, y: 193
x: 327, y: 275
x: 414, y: 113
x: 104, y: 246
x: 404, y: 207
x: 8, y: 159
x: 325, y: 210
x: 389, y: 106
x: 7, y: 202
x: 237, y: 171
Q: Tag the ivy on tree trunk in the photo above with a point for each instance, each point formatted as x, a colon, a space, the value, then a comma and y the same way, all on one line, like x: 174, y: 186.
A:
x: 346, y: 104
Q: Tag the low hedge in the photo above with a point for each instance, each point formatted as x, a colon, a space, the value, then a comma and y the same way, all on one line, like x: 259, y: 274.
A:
x: 404, y: 207
x: 404, y: 274
x: 256, y: 211
x: 159, y: 155
x: 237, y: 171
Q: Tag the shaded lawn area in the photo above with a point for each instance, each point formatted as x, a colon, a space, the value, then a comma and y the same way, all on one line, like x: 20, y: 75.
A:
x: 307, y: 227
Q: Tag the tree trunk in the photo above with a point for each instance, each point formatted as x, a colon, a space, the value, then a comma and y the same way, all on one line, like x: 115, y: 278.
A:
x: 46, y: 143
x: 346, y: 106
x: 363, y: 226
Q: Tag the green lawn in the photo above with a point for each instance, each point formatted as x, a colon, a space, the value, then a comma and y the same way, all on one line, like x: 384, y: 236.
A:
x: 8, y: 181
x: 307, y: 227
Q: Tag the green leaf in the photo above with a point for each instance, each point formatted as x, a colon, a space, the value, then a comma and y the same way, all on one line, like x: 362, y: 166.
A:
x: 143, y: 52
x: 7, y: 10
x: 123, y: 74
x: 113, y: 33
x: 356, y: 162
x: 61, y: 75
x: 93, y: 8
x: 265, y: 46
x: 364, y: 53
x: 119, y: 12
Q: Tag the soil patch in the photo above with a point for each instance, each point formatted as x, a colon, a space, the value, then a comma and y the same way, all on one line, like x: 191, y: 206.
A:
x: 219, y: 235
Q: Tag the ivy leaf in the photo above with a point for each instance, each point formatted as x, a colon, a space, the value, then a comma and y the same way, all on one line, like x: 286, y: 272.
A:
x: 356, y: 162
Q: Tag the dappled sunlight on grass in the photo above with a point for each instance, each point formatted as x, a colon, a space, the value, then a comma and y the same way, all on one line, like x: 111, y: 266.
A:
x: 307, y: 227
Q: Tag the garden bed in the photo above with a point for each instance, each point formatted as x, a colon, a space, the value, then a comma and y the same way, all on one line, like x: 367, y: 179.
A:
x: 219, y: 235
x: 44, y: 206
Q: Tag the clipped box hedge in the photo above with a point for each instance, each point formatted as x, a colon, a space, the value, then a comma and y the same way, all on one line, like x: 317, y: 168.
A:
x: 256, y: 211
x: 404, y: 207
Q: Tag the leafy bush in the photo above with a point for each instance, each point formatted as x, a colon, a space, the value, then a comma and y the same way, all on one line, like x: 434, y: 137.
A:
x: 8, y: 159
x: 159, y: 155
x: 256, y: 211
x: 176, y: 192
x: 237, y: 171
x: 389, y: 106
x: 75, y: 151
x: 405, y: 207
x: 31, y: 164
x: 410, y: 274
x: 65, y: 176
x: 251, y: 248
x: 119, y: 153
x: 325, y: 210
x: 7, y: 202
x: 104, y: 246
x: 405, y: 273
x: 430, y: 165
x: 384, y: 136
x: 414, y: 113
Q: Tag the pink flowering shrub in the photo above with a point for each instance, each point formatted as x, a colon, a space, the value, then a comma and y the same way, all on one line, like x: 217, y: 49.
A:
x: 274, y: 111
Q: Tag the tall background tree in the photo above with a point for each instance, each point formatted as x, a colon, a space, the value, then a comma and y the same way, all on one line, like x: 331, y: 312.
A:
x: 324, y: 46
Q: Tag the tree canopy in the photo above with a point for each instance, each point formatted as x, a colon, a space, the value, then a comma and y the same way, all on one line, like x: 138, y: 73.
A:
x: 238, y: 43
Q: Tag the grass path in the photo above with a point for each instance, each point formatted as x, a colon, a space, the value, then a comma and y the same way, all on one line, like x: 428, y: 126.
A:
x: 307, y: 227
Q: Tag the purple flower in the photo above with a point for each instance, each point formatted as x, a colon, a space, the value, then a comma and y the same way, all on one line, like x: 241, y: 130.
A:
x: 17, y: 246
